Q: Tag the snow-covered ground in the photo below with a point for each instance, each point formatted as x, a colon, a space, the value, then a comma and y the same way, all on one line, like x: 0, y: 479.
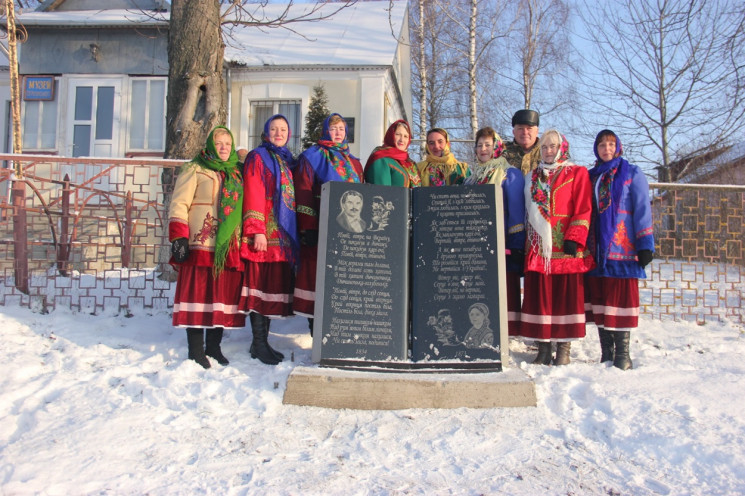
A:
x: 108, y: 405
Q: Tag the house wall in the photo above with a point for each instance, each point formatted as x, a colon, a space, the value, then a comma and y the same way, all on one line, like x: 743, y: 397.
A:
x: 369, y: 96
x: 120, y: 51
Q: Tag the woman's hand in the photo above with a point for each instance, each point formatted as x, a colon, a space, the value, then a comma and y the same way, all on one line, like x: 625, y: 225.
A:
x: 260, y: 242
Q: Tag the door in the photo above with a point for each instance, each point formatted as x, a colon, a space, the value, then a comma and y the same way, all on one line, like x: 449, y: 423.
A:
x: 93, y: 121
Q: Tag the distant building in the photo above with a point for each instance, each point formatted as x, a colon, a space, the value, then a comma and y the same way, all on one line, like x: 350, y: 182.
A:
x: 722, y: 166
x: 94, y: 75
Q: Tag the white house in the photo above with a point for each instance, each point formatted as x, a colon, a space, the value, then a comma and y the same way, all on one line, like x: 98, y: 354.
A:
x: 95, y: 74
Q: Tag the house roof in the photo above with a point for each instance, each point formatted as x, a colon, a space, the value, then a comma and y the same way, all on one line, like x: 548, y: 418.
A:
x: 361, y: 35
x: 93, y: 18
x: 357, y: 35
x: 734, y: 153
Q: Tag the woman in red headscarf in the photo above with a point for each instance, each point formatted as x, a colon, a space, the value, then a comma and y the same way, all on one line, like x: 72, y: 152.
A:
x: 390, y: 164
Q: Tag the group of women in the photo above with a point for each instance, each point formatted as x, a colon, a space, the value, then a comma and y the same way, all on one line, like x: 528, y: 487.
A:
x: 244, y: 236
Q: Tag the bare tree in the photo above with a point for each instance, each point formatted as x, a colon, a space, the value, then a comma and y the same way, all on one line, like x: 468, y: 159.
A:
x: 532, y: 67
x: 438, y: 78
x: 478, y: 25
x: 669, y: 75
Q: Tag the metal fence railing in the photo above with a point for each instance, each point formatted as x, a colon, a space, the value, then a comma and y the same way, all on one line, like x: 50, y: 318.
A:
x: 91, y: 235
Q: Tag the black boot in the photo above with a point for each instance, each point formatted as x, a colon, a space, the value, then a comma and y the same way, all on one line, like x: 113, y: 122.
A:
x: 562, y: 353
x: 279, y: 356
x: 212, y: 345
x: 606, y: 345
x: 544, y: 354
x: 310, y: 325
x: 260, y: 347
x: 622, y: 359
x: 195, y: 340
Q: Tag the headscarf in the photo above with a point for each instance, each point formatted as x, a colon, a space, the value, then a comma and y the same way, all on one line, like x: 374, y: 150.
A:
x: 538, y: 198
x: 441, y: 165
x: 389, y: 150
x: 230, y: 209
x: 331, y: 161
x: 492, y: 170
x: 608, y: 179
x: 272, y: 156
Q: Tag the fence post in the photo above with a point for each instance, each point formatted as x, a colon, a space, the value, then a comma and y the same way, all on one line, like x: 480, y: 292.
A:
x: 63, y: 249
x: 127, y: 231
x: 20, y: 236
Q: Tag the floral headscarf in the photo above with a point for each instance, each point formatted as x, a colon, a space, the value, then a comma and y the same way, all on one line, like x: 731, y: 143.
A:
x: 331, y: 161
x: 538, y: 198
x: 231, y: 195
x: 608, y: 179
x: 273, y: 157
x: 492, y: 170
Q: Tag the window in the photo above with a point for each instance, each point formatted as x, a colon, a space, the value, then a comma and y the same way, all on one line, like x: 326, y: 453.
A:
x: 147, y: 121
x: 261, y: 110
x: 40, y: 124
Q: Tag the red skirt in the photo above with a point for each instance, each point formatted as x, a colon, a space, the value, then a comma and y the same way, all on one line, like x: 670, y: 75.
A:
x: 305, y: 285
x: 553, y: 307
x: 267, y: 289
x: 513, y: 303
x: 612, y: 303
x: 203, y: 300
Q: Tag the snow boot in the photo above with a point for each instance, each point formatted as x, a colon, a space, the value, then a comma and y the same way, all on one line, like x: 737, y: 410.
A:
x: 544, y: 354
x: 260, y: 347
x: 622, y: 359
x: 606, y: 345
x: 212, y: 345
x: 279, y: 356
x: 195, y: 340
x: 562, y: 353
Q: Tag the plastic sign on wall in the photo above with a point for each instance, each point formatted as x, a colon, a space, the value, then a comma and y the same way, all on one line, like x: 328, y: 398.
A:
x: 38, y: 87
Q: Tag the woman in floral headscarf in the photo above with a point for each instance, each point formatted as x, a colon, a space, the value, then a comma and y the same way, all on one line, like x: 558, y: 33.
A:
x: 390, y: 164
x: 204, y: 227
x: 558, y: 204
x: 622, y: 242
x: 270, y: 239
x: 440, y: 167
x: 327, y: 160
x: 492, y: 168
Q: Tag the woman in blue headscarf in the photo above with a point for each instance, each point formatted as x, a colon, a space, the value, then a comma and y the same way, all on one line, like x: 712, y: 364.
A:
x: 622, y: 242
x: 328, y: 160
x: 270, y: 242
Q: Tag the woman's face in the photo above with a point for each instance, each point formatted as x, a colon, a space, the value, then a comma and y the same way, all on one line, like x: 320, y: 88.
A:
x: 549, y: 150
x: 485, y: 148
x: 223, y: 145
x: 338, y: 132
x: 477, y: 318
x: 278, y: 132
x: 606, y: 149
x: 436, y: 144
x: 401, y: 138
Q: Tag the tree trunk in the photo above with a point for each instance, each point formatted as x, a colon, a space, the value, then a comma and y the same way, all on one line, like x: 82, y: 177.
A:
x: 196, y: 87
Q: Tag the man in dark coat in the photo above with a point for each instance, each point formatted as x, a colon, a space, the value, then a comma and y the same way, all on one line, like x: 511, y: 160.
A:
x: 523, y: 152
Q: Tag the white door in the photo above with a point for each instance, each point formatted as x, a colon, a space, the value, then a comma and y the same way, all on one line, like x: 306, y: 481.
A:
x: 93, y: 118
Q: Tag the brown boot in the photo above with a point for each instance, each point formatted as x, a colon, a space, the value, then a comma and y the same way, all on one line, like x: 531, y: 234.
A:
x: 544, y: 354
x: 562, y: 353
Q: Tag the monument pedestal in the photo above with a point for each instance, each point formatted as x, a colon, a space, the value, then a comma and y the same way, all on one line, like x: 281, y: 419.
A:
x: 333, y: 388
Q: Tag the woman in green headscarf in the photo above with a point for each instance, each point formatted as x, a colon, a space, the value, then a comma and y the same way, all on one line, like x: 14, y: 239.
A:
x: 204, y: 228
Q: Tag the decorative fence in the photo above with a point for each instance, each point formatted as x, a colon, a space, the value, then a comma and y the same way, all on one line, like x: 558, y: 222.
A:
x: 91, y: 235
